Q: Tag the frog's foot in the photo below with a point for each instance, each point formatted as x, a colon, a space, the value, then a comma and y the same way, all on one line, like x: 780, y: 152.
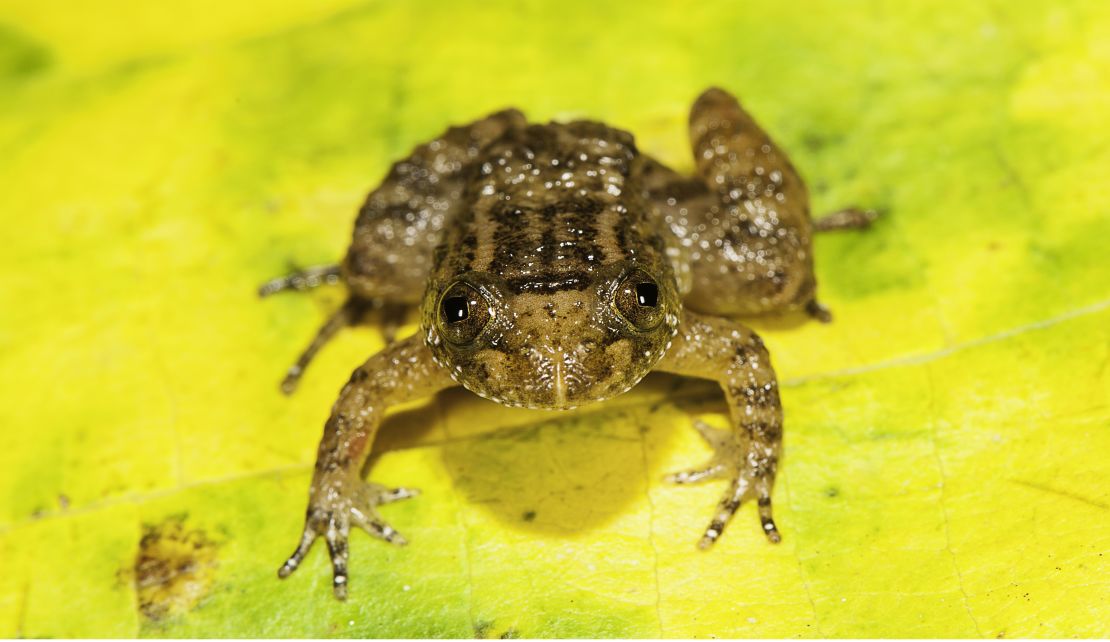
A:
x: 818, y: 311
x: 301, y: 280
x: 347, y: 315
x: 730, y: 461
x: 851, y: 218
x: 331, y: 515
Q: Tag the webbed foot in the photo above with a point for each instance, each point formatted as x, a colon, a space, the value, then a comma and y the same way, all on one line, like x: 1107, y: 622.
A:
x: 334, y: 507
x: 730, y: 461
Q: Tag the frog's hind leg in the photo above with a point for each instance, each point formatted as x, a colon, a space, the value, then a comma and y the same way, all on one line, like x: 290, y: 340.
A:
x: 347, y: 315
x: 750, y: 230
x: 301, y: 280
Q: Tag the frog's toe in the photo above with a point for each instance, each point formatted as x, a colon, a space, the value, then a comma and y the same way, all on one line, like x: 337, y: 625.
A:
x: 726, y: 508
x: 725, y: 451
x: 365, y: 516
x: 294, y: 562
x: 390, y: 495
x: 723, y: 442
x: 694, y: 475
x: 818, y: 311
x: 767, y: 521
x: 336, y: 537
x: 377, y: 527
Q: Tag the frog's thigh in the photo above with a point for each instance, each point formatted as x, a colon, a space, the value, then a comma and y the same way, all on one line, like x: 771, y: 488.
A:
x: 735, y: 273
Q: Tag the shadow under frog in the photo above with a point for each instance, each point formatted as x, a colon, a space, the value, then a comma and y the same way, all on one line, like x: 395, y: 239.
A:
x: 527, y: 462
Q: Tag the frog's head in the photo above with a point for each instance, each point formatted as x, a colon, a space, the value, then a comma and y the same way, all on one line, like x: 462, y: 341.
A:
x: 557, y: 341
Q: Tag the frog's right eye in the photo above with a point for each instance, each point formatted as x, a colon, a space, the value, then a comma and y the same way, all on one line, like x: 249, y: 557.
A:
x: 463, y: 313
x: 637, y: 300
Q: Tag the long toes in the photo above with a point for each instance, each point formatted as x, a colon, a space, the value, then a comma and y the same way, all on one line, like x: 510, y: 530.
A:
x: 294, y: 561
x: 695, y: 475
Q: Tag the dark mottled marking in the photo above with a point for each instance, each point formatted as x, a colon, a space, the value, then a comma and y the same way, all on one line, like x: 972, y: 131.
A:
x: 514, y: 232
x: 757, y: 395
x: 623, y: 232
x: 574, y: 222
x: 174, y: 570
x: 576, y: 281
x: 528, y: 515
x: 743, y: 354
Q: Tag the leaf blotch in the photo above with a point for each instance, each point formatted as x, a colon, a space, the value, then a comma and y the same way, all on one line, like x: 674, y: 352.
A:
x: 175, y: 568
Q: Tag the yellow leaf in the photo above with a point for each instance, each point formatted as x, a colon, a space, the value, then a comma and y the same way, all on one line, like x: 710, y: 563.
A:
x: 945, y: 470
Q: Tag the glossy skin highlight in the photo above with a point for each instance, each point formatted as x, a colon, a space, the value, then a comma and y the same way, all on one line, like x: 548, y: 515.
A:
x: 558, y: 266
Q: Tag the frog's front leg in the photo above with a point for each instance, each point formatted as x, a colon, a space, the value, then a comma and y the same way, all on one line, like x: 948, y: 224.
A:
x: 747, y: 455
x: 338, y: 497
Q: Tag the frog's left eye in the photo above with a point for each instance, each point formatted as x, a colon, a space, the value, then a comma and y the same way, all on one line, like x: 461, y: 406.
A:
x: 463, y: 313
x: 637, y: 300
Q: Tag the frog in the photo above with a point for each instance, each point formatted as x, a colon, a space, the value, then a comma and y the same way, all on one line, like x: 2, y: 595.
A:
x: 555, y: 265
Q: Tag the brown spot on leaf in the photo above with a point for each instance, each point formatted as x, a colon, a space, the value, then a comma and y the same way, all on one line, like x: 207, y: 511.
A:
x: 175, y: 568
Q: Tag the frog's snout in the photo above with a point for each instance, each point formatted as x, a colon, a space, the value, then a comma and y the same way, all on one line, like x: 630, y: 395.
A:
x: 559, y: 383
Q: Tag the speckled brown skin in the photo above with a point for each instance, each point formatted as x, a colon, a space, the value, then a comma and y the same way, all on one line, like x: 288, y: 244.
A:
x: 402, y: 221
x: 556, y: 266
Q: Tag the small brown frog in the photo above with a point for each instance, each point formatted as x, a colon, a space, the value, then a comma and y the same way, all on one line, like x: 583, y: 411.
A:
x: 555, y: 266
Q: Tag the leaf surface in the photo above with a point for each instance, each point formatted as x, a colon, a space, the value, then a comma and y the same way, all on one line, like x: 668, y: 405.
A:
x: 945, y: 470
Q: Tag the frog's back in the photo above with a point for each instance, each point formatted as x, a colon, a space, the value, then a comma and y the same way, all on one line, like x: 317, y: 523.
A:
x: 548, y: 205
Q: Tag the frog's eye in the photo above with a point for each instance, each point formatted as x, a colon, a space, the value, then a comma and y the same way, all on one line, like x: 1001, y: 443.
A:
x: 463, y: 313
x: 637, y: 300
